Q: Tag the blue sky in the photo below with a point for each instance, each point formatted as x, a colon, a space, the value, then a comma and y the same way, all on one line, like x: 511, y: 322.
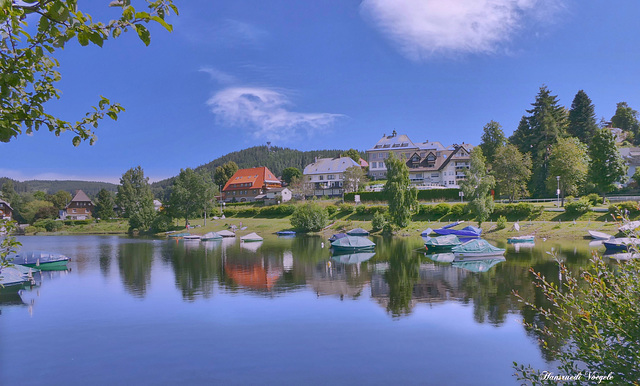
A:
x: 325, y: 75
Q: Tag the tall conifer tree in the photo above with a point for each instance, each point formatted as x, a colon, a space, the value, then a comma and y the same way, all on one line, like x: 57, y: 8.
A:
x: 582, y: 118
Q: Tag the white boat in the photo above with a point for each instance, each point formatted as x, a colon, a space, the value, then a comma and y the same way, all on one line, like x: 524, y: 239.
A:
x: 600, y: 235
x: 192, y: 238
x: 629, y: 226
x: 521, y: 239
x: 623, y: 256
x: 226, y: 233
x: 251, y: 237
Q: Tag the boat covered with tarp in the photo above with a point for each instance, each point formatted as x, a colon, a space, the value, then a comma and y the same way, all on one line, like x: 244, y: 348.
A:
x: 40, y: 259
x: 621, y: 243
x: 521, y: 239
x: 251, y: 237
x: 353, y: 258
x: 358, y: 232
x: 192, y: 238
x: 353, y: 243
x: 477, y: 248
x: 337, y: 236
x: 211, y: 236
x: 226, y: 233
x: 286, y: 233
x: 468, y: 231
x: 15, y: 277
x: 478, y: 265
x: 179, y: 235
x: 441, y: 243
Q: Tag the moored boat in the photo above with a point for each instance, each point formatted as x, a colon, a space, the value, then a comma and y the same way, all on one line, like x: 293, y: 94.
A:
x: 179, y: 235
x: 337, y: 236
x: 251, y: 237
x: 353, y: 243
x: 442, y: 243
x: 192, y: 238
x: 620, y: 243
x: 358, y: 232
x: 475, y: 249
x: 226, y: 233
x: 468, y: 231
x: 521, y: 239
x: 15, y: 277
x: 41, y: 259
x: 600, y: 235
x: 286, y: 233
x: 211, y: 236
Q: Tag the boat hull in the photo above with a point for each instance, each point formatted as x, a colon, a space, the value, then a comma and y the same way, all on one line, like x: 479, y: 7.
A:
x: 52, y: 265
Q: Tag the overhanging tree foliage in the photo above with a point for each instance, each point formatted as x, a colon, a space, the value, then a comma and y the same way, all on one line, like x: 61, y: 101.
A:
x: 30, y: 33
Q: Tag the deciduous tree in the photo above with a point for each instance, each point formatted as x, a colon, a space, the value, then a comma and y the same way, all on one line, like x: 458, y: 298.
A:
x: 353, y: 154
x: 354, y: 178
x: 512, y: 171
x: 626, y: 119
x: 224, y: 172
x: 403, y: 199
x: 569, y: 159
x: 477, y: 186
x: 136, y: 200
x: 290, y: 173
x: 193, y: 193
x: 31, y: 32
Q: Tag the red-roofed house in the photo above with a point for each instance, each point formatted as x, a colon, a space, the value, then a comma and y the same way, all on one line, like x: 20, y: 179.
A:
x: 246, y: 184
x: 79, y: 208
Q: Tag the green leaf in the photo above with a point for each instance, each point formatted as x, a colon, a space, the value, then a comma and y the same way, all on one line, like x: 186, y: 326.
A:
x: 83, y: 38
x: 163, y: 23
x: 112, y: 115
x: 96, y: 38
x: 58, y: 11
x: 76, y: 140
x: 143, y: 33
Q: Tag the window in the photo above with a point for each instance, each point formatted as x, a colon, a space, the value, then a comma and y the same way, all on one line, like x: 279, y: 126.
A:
x: 331, y: 177
x: 73, y: 210
x: 321, y: 178
x: 374, y: 165
x: 418, y: 175
x: 435, y: 175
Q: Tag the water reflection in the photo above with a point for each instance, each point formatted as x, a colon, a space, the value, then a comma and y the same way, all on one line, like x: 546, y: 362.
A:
x: 134, y: 262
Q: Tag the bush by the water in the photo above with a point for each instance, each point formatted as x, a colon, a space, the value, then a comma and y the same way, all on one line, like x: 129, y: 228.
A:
x: 378, y: 221
x: 423, y: 195
x: 49, y: 225
x: 519, y: 211
x: 581, y: 206
x: 310, y: 217
x: 594, y: 199
x: 501, y: 223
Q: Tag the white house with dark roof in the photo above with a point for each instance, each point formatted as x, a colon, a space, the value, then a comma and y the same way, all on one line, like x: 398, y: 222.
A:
x: 327, y: 175
x: 430, y: 163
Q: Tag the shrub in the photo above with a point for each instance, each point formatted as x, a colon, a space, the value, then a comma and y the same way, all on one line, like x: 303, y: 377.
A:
x: 458, y: 210
x: 622, y: 207
x: 594, y: 199
x: 378, y: 221
x: 441, y: 210
x: 281, y: 210
x: 519, y: 211
x: 423, y: 195
x: 161, y: 223
x: 361, y: 209
x: 332, y: 209
x: 310, y: 217
x: 345, y: 208
x: 578, y: 207
x: 501, y: 223
x: 425, y: 209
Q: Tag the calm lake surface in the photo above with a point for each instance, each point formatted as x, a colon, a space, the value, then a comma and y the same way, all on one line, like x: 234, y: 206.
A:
x: 147, y: 311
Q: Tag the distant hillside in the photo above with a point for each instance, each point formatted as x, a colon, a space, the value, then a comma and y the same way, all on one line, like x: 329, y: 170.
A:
x: 274, y: 158
x: 89, y: 187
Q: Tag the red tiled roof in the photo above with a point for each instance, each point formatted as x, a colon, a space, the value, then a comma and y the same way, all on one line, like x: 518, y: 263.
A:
x: 255, y: 177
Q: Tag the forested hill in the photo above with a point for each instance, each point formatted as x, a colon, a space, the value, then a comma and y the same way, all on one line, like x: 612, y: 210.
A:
x: 275, y: 158
x: 50, y: 187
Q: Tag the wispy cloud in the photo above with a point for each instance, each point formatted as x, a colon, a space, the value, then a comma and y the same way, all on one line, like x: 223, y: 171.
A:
x: 266, y: 114
x: 219, y: 76
x: 424, y: 28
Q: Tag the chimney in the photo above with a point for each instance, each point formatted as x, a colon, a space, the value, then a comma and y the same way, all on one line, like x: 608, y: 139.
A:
x: 316, y: 160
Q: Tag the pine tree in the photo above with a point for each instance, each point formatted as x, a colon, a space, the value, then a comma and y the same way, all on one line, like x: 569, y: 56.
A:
x: 492, y: 139
x: 607, y: 166
x: 521, y: 137
x: 626, y: 119
x: 582, y: 118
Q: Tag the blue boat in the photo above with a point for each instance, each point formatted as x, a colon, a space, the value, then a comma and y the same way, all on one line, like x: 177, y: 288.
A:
x: 621, y: 244
x: 358, y: 232
x: 337, y: 236
x: 468, y: 231
x: 286, y: 233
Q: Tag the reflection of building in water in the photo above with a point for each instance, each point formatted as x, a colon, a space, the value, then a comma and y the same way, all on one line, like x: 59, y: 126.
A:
x: 287, y: 261
x: 259, y: 274
x: 436, y: 284
x: 333, y: 278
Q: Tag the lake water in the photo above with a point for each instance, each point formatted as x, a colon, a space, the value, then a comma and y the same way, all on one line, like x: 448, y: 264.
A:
x: 145, y: 311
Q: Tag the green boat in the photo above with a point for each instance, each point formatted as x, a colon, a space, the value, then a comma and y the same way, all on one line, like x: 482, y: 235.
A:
x: 211, y: 236
x: 179, y: 235
x: 42, y: 260
x: 251, y: 237
x: 442, y: 243
x: 353, y: 243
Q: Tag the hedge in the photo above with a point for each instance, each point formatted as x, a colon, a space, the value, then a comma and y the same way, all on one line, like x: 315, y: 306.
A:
x: 281, y: 210
x: 423, y: 195
x: 622, y: 207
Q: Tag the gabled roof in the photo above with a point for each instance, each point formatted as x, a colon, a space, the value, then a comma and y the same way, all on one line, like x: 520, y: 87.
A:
x: 80, y: 197
x: 330, y: 165
x: 255, y: 177
x: 5, y: 203
x: 394, y: 141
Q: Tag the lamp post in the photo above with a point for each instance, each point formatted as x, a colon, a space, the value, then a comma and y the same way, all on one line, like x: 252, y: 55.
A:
x: 558, y: 190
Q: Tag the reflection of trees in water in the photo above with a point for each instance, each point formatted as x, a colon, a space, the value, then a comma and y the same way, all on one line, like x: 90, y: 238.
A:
x: 402, y: 275
x: 196, y: 266
x: 106, y: 250
x: 134, y: 262
x: 337, y: 279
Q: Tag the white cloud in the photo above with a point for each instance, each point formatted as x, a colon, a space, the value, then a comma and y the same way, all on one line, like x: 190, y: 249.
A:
x: 219, y: 76
x: 423, y: 28
x: 266, y: 114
